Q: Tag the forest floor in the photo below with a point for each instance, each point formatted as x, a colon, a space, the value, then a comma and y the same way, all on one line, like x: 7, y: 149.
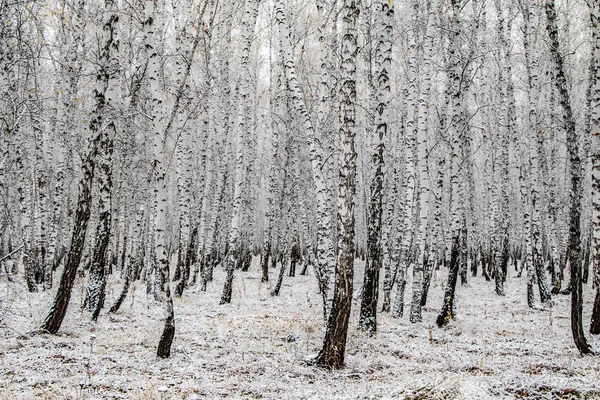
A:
x: 255, y: 347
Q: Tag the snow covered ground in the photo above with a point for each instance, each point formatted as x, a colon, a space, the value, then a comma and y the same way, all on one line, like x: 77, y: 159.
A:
x: 255, y: 347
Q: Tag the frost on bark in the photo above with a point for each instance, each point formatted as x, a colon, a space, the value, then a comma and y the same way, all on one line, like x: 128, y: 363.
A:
x: 325, y: 258
x: 456, y: 125
x: 99, y: 157
x: 242, y: 129
x: 383, y: 59
x: 420, y: 263
x: 334, y: 345
x: 277, y: 99
x: 410, y: 162
x: 594, y: 111
x: 134, y: 263
x: 534, y: 259
x: 105, y: 94
x: 387, y: 240
x: 158, y: 125
x: 574, y: 239
x: 183, y: 148
x: 500, y: 247
x: 58, y: 310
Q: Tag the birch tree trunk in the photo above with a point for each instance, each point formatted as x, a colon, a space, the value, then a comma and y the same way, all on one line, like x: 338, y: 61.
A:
x: 325, y: 258
x: 455, y: 130
x: 574, y: 241
x: 277, y: 92
x: 501, y: 242
x: 419, y: 264
x: 383, y: 59
x: 410, y: 172
x: 105, y: 95
x: 594, y: 104
x: 334, y: 345
x: 242, y: 129
x: 158, y: 127
x: 534, y: 253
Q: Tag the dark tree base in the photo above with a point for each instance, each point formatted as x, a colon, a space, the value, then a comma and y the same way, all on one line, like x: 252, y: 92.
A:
x: 595, y: 325
x: 166, y: 339
x: 447, y: 311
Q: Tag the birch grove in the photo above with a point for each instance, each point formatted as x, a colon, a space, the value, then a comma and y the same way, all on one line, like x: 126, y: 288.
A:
x: 168, y: 145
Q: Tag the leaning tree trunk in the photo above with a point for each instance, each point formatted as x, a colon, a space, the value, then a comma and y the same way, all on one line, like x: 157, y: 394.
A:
x: 325, y: 257
x: 82, y: 215
x: 101, y: 142
x: 574, y: 241
x: 383, y: 51
x: 334, y: 344
x: 105, y: 93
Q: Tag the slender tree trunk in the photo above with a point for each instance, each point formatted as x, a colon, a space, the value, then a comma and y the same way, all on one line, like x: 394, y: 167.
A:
x: 325, y: 257
x: 594, y: 111
x: 410, y: 171
x: 456, y: 127
x: 574, y: 242
x: 334, y: 345
x: 105, y: 95
x: 535, y: 261
x: 235, y: 248
x: 420, y: 263
x: 383, y: 54
x: 158, y: 128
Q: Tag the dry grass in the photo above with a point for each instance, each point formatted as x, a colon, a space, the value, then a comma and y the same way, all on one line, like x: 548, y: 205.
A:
x: 255, y: 347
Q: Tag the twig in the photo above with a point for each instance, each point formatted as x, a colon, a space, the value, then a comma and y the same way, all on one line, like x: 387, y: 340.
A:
x: 8, y: 255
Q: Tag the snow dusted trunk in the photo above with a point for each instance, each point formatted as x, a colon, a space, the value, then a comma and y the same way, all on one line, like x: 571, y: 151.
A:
x: 501, y: 234
x: 594, y: 104
x: 574, y: 239
x: 387, y: 241
x: 278, y: 91
x: 187, y: 241
x: 101, y: 145
x: 105, y: 95
x: 58, y: 310
x: 208, y: 254
x: 455, y: 128
x: 183, y: 148
x: 242, y: 129
x: 326, y: 133
x: 534, y: 259
x: 158, y: 126
x: 41, y: 204
x: 383, y: 59
x: 410, y: 171
x: 135, y: 255
x: 420, y: 262
x: 334, y: 345
x: 325, y: 257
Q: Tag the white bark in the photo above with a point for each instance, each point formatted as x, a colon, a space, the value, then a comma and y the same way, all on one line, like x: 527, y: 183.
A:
x: 325, y: 262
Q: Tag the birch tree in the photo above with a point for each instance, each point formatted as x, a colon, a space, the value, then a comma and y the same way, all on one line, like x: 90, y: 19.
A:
x: 574, y: 241
x: 105, y: 96
x: 383, y: 59
x: 594, y: 104
x: 456, y: 125
x: 242, y: 130
x: 334, y: 345
x: 324, y: 256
